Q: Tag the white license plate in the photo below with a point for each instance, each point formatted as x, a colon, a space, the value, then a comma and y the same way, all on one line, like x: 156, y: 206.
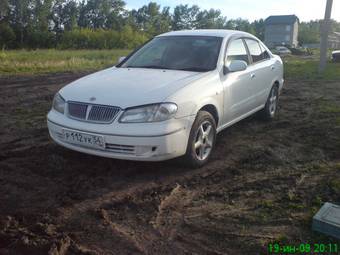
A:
x: 85, y: 139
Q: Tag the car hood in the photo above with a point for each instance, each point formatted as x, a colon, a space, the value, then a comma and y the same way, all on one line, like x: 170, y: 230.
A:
x: 127, y: 87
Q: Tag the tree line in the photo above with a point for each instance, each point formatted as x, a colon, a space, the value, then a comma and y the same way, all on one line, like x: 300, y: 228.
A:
x: 106, y: 24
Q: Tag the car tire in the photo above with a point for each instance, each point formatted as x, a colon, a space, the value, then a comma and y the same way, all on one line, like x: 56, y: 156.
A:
x: 201, y: 140
x: 270, y: 110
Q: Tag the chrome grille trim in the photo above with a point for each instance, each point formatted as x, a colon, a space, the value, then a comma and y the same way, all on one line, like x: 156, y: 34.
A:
x: 102, y: 114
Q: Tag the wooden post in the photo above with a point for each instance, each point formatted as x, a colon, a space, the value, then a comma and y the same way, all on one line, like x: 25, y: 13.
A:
x: 324, y: 31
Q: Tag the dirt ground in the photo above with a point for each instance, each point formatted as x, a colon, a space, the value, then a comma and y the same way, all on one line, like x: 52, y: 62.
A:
x: 263, y: 184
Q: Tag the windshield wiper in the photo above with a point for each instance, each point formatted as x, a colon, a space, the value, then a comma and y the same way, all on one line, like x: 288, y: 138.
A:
x: 194, y: 69
x: 150, y: 67
x: 190, y: 69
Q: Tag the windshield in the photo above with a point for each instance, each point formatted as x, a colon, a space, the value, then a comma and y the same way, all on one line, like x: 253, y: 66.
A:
x: 187, y: 53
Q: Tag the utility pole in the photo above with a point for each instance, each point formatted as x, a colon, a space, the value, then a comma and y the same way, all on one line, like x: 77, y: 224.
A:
x: 324, y: 30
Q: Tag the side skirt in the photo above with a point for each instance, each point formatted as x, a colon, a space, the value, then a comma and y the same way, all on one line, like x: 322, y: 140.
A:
x: 230, y: 123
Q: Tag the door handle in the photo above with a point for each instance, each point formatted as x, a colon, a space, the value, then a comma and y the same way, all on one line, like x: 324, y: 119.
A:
x: 252, y: 76
x: 272, y: 67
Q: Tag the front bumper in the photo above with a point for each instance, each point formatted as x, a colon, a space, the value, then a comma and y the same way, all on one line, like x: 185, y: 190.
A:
x: 127, y: 141
x: 281, y: 83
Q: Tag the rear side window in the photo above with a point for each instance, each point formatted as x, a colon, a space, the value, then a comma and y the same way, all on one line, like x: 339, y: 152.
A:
x: 237, y: 51
x: 265, y: 53
x: 254, y: 50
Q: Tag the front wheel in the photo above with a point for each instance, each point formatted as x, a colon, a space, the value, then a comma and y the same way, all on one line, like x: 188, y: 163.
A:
x: 201, y: 140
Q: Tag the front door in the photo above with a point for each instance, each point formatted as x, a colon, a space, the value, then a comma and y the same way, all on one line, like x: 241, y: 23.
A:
x: 262, y: 67
x: 239, y: 97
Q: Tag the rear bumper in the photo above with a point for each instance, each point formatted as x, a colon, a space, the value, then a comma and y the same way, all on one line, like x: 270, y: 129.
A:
x: 336, y: 57
x: 170, y: 144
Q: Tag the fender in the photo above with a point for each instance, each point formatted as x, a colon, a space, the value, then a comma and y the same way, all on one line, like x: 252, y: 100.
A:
x: 210, y: 93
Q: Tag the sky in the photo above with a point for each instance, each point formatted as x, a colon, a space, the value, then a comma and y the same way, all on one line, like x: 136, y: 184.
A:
x: 255, y: 9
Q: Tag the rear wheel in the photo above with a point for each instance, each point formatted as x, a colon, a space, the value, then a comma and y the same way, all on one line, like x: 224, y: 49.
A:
x: 201, y: 140
x: 270, y: 109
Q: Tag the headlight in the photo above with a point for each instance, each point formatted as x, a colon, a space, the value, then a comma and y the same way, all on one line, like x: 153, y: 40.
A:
x: 149, y: 113
x: 59, y: 103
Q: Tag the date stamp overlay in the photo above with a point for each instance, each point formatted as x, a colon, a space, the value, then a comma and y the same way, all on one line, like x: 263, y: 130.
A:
x: 327, y: 222
x: 304, y: 248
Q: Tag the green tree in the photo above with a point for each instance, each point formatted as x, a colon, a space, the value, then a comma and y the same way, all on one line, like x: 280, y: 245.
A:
x: 57, y: 19
x: 82, y: 22
x: 107, y: 23
x: 4, y: 9
x: 38, y: 31
x: 335, y: 26
x: 145, y: 16
x: 150, y: 19
x: 259, y: 28
x: 211, y: 19
x: 309, y: 32
x: 95, y: 13
x: 164, y: 21
x: 19, y: 18
x: 7, y: 36
x: 240, y: 24
x: 41, y: 14
x: 70, y: 15
x: 184, y: 17
x: 117, y: 16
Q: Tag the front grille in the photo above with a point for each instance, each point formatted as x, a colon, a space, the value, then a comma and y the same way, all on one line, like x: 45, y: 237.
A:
x: 92, y: 113
x: 100, y: 113
x: 77, y: 110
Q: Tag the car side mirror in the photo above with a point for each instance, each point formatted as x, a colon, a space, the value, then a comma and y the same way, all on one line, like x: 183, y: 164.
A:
x: 121, y: 59
x: 237, y: 66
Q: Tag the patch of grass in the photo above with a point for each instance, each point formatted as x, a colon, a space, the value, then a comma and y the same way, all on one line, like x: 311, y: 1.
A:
x: 306, y: 68
x: 282, y: 238
x: 267, y: 204
x: 337, y: 121
x: 16, y: 62
x: 295, y: 206
x: 312, y: 209
x: 335, y: 186
x: 329, y: 107
x: 267, y: 209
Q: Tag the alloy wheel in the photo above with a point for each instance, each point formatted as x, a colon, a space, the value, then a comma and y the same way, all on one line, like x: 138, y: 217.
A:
x: 273, y: 101
x: 204, y: 140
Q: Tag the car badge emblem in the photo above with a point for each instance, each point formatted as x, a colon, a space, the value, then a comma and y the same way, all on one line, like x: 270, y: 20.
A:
x: 92, y: 99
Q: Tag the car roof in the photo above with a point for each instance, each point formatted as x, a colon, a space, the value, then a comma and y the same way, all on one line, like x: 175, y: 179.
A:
x: 207, y: 32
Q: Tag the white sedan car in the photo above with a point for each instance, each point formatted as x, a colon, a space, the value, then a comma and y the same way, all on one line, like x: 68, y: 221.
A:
x: 336, y: 56
x: 169, y: 98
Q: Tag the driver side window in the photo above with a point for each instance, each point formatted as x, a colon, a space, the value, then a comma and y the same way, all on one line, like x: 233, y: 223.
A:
x: 151, y: 55
x: 237, y: 51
